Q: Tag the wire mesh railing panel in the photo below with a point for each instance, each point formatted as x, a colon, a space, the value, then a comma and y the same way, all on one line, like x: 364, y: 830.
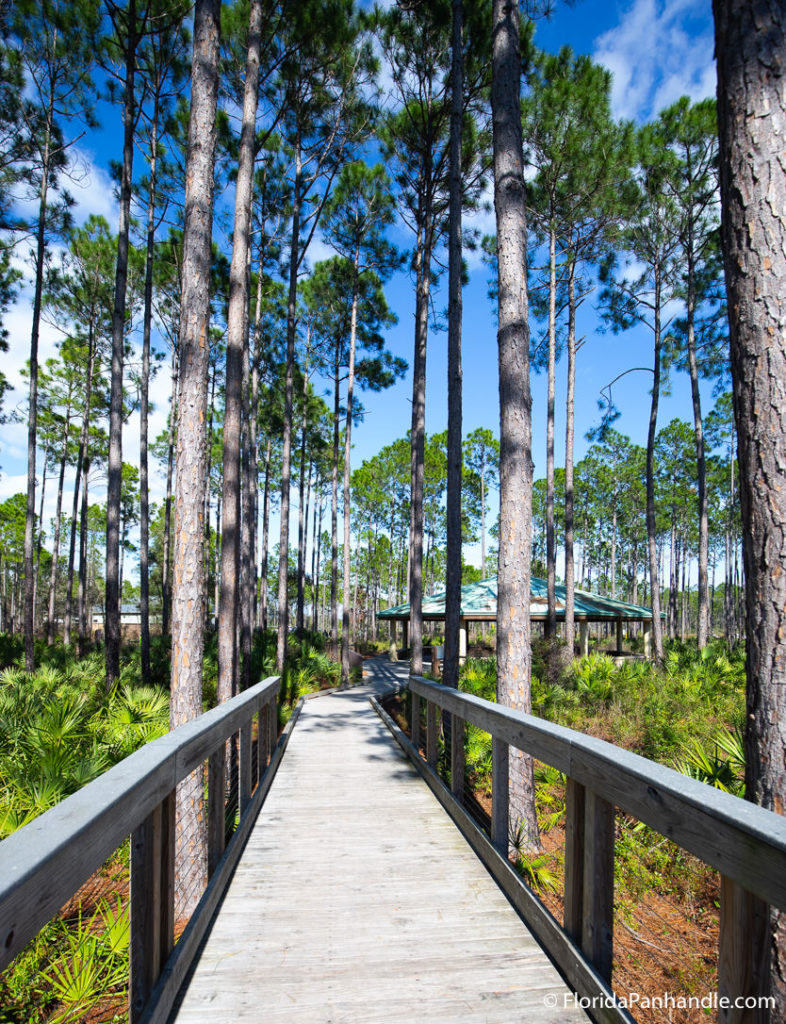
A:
x: 191, y: 845
x: 666, y: 925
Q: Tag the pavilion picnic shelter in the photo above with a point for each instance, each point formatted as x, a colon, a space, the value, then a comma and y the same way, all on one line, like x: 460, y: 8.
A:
x: 479, y: 604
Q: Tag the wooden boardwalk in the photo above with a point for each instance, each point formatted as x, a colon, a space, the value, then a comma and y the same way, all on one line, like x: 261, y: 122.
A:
x: 357, y: 899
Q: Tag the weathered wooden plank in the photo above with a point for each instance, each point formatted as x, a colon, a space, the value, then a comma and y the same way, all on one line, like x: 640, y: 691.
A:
x: 410, y: 926
x: 743, y: 954
x: 579, y: 973
x: 179, y: 963
x: 597, y: 933
x: 574, y: 859
x: 743, y: 841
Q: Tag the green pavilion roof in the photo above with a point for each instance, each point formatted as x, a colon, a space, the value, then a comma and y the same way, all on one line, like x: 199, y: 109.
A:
x: 479, y: 601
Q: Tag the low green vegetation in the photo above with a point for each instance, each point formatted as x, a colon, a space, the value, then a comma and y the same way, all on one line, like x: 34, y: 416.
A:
x: 687, y: 714
x: 59, y: 730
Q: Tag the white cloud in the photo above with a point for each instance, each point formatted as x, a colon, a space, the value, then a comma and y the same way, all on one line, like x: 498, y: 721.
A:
x: 660, y: 50
x: 93, y: 190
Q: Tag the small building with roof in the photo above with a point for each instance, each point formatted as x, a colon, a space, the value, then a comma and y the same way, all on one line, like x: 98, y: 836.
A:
x: 479, y: 604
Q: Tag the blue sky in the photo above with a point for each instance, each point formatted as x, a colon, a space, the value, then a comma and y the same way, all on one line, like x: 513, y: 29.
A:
x: 657, y: 50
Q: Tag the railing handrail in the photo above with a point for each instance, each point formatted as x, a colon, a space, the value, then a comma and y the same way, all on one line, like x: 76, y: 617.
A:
x: 44, y: 863
x: 745, y: 842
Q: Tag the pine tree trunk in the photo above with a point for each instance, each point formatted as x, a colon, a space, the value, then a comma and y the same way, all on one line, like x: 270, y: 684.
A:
x: 166, y: 574
x: 450, y: 671
x: 50, y: 617
x: 286, y: 450
x: 265, y: 535
x: 83, y: 595
x: 40, y: 536
x: 672, y: 611
x: 515, y: 472
x: 750, y: 40
x: 301, y: 552
x: 317, y: 623
x: 247, y: 555
x: 314, y: 559
x: 237, y: 344
x: 253, y: 442
x: 657, y: 627
x: 188, y: 591
x: 115, y: 472
x: 570, y: 420
x: 334, y: 509
x: 703, y: 630
x: 347, y: 456
x: 144, y: 498
x: 84, y: 436
x: 551, y: 548
x: 32, y: 422
x: 418, y: 443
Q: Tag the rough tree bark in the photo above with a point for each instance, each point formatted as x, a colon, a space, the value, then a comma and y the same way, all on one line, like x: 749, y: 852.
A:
x: 454, y: 454
x: 514, y: 653
x: 188, y: 591
x: 237, y: 342
x: 750, y: 43
x: 418, y: 447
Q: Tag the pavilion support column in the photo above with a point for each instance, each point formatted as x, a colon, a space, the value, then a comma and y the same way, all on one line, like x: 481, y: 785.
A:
x: 619, y: 636
x: 405, y: 634
x: 647, y: 632
x: 462, y: 641
x: 583, y: 638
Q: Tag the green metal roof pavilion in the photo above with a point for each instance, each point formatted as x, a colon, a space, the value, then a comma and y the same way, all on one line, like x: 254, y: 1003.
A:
x: 479, y: 603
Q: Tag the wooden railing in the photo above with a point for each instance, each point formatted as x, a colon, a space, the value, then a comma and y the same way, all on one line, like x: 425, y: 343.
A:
x: 745, y: 843
x: 45, y: 863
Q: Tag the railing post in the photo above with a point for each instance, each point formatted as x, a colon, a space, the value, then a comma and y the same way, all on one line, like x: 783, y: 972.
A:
x: 499, y: 795
x: 272, y: 721
x: 415, y: 723
x: 244, y: 781
x: 743, y: 953
x: 152, y: 903
x: 574, y: 858
x: 597, y: 937
x: 457, y: 757
x: 431, y: 733
x: 216, y: 826
x: 264, y: 738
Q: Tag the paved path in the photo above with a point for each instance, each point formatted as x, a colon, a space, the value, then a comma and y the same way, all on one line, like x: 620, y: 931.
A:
x: 357, y: 899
